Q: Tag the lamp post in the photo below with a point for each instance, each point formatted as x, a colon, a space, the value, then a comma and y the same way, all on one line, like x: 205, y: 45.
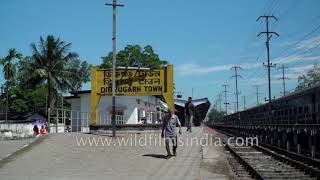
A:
x: 113, y: 120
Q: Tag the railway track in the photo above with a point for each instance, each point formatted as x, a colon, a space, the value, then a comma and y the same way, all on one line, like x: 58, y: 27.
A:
x: 264, y: 166
x: 262, y: 163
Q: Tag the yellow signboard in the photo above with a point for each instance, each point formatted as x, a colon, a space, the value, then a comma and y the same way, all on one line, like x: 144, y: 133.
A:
x: 131, y: 82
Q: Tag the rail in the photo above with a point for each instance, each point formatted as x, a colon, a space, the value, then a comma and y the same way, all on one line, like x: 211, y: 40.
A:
x: 308, y: 165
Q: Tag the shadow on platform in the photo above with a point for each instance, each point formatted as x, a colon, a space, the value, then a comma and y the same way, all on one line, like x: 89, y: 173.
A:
x: 159, y: 156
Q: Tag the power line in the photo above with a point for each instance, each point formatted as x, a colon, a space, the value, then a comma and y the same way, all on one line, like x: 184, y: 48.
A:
x: 300, y: 40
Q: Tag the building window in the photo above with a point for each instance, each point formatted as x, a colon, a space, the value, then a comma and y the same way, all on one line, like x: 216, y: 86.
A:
x: 119, y: 113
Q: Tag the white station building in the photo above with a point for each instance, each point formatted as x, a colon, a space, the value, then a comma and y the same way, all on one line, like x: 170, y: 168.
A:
x: 129, y: 109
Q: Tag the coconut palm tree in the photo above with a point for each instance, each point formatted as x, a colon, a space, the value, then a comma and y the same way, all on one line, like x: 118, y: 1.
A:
x: 9, y: 68
x: 48, y: 65
x: 9, y: 71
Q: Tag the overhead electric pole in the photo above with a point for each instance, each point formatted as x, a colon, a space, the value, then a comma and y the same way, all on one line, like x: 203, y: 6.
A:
x: 225, y: 98
x: 268, y: 37
x: 219, y: 100
x: 236, y: 75
x: 114, y: 55
x: 269, y: 65
x: 257, y: 93
x: 283, y: 79
x: 244, y: 102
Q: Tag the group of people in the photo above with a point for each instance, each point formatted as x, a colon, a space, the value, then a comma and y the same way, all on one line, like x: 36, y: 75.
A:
x: 171, y: 121
x: 36, y: 131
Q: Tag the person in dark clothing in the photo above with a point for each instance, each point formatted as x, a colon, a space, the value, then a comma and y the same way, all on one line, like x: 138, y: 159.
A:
x: 189, y: 114
x: 35, y: 131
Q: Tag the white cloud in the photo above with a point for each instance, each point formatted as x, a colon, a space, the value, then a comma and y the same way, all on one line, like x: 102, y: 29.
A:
x: 195, y: 69
x: 257, y: 81
x: 302, y: 69
x: 288, y: 75
x: 309, y: 43
x: 295, y: 58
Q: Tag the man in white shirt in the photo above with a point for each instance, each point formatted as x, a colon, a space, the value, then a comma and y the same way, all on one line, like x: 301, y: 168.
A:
x: 170, y: 123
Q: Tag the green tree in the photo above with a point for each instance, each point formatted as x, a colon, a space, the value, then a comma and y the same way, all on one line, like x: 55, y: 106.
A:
x: 312, y: 77
x: 9, y: 67
x: 51, y: 65
x: 135, y: 56
x: 82, y: 69
x: 9, y: 71
x: 29, y: 100
x: 215, y: 116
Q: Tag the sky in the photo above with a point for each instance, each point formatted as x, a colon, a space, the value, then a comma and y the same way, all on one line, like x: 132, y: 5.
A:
x: 202, y: 39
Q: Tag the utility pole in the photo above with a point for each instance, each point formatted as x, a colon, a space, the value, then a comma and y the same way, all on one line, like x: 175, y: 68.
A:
x: 225, y: 97
x: 283, y: 78
x: 244, y: 102
x: 192, y: 93
x: 216, y: 105
x: 268, y: 37
x: 7, y: 102
x: 236, y: 75
x: 2, y: 94
x: 114, y: 55
x: 269, y: 65
x: 219, y: 100
x: 257, y: 93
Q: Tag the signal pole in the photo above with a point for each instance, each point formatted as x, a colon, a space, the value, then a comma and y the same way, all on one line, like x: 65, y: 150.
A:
x: 268, y: 37
x: 236, y: 75
x: 225, y: 97
x: 283, y: 78
x: 257, y: 93
x: 114, y: 56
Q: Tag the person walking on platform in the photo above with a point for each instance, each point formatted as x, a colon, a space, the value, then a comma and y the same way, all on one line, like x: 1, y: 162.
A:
x: 189, y: 114
x: 170, y: 123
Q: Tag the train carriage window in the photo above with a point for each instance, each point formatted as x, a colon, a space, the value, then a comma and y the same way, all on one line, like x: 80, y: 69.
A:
x: 286, y: 112
x: 295, y: 110
x: 300, y: 110
x: 290, y: 112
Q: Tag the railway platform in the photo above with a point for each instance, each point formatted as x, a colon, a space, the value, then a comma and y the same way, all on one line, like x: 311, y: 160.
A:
x: 71, y: 156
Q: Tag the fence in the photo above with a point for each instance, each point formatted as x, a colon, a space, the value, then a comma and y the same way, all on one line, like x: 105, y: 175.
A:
x: 106, y: 119
x: 64, y: 120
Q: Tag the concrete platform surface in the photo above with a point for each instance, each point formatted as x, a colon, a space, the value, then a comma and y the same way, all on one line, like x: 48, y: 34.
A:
x: 70, y: 156
x: 8, y: 147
